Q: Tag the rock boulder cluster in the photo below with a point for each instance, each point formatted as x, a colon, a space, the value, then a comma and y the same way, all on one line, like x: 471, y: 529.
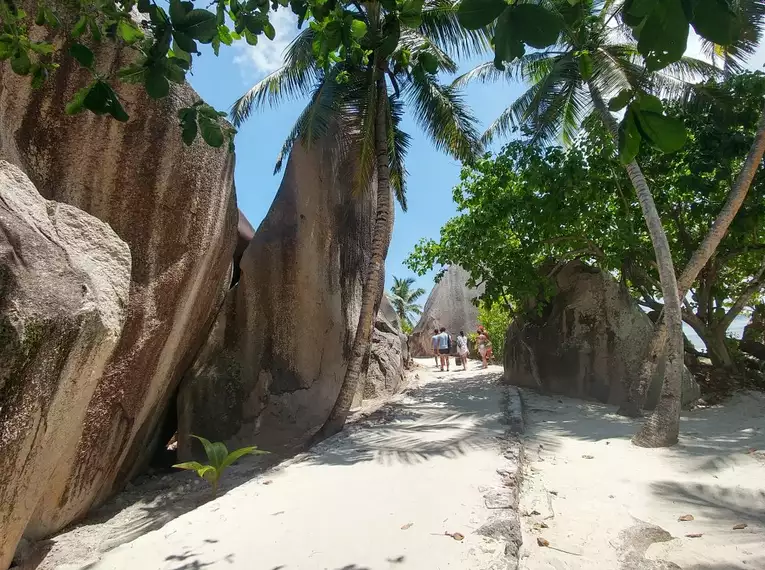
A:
x: 137, y: 302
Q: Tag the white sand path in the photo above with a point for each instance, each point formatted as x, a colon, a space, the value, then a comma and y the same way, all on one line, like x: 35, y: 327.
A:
x: 588, y: 484
x: 379, y: 496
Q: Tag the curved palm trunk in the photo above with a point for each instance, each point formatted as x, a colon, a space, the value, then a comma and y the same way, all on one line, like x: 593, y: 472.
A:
x: 663, y: 427
x: 633, y: 405
x: 374, y: 278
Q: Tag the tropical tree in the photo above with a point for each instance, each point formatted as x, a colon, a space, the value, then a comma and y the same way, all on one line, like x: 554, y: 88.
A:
x: 356, y: 106
x: 404, y: 300
x: 592, y: 61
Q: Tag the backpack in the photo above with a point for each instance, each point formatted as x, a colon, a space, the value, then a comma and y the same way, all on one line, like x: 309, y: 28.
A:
x: 449, y: 342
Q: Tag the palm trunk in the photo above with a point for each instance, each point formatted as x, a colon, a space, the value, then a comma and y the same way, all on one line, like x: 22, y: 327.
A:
x: 663, y: 426
x: 633, y: 405
x: 373, y: 280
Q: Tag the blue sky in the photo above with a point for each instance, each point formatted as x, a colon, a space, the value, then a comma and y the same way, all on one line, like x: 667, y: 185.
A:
x: 432, y: 175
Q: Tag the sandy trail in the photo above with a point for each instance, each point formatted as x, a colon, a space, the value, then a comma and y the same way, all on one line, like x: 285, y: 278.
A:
x: 591, y: 487
x: 380, y: 495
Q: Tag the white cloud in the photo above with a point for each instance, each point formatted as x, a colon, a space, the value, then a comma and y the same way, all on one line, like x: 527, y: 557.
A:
x: 268, y: 55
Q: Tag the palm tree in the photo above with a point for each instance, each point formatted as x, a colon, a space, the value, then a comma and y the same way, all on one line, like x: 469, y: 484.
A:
x: 403, y: 299
x: 357, y: 108
x: 592, y: 61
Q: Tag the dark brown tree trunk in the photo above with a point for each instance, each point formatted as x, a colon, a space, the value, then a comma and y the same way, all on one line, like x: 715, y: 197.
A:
x: 374, y: 278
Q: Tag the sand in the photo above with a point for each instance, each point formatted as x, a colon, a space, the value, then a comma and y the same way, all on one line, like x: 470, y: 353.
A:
x: 600, y: 496
x: 381, y: 495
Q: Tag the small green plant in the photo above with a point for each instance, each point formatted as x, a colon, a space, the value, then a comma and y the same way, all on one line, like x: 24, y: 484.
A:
x: 219, y: 459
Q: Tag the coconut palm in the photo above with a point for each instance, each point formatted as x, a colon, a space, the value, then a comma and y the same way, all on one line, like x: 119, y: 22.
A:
x: 357, y: 109
x: 404, y: 299
x: 593, y: 60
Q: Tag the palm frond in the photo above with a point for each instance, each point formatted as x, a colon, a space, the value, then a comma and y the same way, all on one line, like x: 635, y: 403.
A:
x: 521, y: 68
x: 443, y: 115
x: 440, y: 25
x: 398, y: 145
x: 415, y: 42
x: 295, y: 79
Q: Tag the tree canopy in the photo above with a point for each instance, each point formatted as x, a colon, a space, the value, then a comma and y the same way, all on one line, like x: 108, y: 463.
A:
x: 531, y: 207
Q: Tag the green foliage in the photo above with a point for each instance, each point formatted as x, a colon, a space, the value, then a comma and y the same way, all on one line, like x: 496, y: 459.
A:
x: 165, y: 45
x: 529, y: 209
x: 495, y: 319
x: 404, y: 301
x: 220, y: 459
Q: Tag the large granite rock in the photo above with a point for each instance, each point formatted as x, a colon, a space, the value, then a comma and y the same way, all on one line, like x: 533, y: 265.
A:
x: 388, y: 354
x: 64, y: 281
x: 274, y: 363
x: 450, y: 304
x: 174, y: 206
x: 588, y: 342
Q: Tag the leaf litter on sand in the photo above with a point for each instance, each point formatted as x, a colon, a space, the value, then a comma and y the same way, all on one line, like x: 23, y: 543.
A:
x: 406, y: 526
x: 740, y: 526
x: 685, y: 518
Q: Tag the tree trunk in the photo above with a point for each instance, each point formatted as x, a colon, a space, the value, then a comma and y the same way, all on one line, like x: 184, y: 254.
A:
x: 663, y: 426
x: 374, y: 278
x: 633, y: 405
x: 718, y: 349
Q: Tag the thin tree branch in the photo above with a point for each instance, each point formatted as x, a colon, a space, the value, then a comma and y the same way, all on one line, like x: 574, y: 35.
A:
x: 754, y: 287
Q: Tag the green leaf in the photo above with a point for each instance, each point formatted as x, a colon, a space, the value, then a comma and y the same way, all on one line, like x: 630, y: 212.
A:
x: 241, y: 452
x: 585, y: 66
x: 429, y: 62
x: 6, y: 49
x: 391, y: 35
x: 269, y: 30
x: 98, y: 98
x: 20, y: 63
x: 134, y: 73
x: 95, y: 31
x: 175, y: 72
x: 629, y: 138
x: 507, y: 45
x: 51, y: 18
x: 648, y: 102
x: 189, y: 131
x: 201, y: 25
x: 213, y: 451
x: 714, y: 20
x: 411, y: 13
x: 665, y: 133
x: 211, y: 132
x: 79, y: 27
x: 190, y: 466
x: 40, y: 17
x: 39, y: 75
x: 537, y: 26
x: 185, y: 42
x: 82, y: 54
x: 209, y: 473
x: 475, y: 14
x: 224, y: 35
x: 156, y: 83
x: 177, y: 12
x: 389, y: 5
x: 128, y: 31
x: 621, y: 100
x: 251, y: 38
x: 358, y: 29
x: 76, y: 105
x: 43, y: 48
x: 664, y: 35
x: 116, y: 109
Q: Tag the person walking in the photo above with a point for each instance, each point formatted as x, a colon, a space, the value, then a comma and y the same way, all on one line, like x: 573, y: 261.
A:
x: 484, y: 346
x: 434, y: 344
x: 462, y: 349
x: 443, y: 348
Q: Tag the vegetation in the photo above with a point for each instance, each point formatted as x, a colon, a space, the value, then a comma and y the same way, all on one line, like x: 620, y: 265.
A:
x: 404, y: 300
x: 495, y: 319
x: 533, y: 206
x: 220, y: 459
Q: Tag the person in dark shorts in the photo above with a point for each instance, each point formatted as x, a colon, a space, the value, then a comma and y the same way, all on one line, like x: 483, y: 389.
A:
x: 443, y: 348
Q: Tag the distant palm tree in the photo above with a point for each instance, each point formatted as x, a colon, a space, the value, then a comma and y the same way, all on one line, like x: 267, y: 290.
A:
x: 403, y: 298
x: 358, y: 109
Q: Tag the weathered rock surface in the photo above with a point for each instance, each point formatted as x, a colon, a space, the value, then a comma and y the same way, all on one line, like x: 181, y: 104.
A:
x: 387, y: 360
x: 274, y: 363
x: 450, y: 305
x: 64, y: 282
x: 588, y: 343
x: 174, y: 206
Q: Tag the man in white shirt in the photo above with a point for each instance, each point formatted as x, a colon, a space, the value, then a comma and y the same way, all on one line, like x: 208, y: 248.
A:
x: 434, y: 344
